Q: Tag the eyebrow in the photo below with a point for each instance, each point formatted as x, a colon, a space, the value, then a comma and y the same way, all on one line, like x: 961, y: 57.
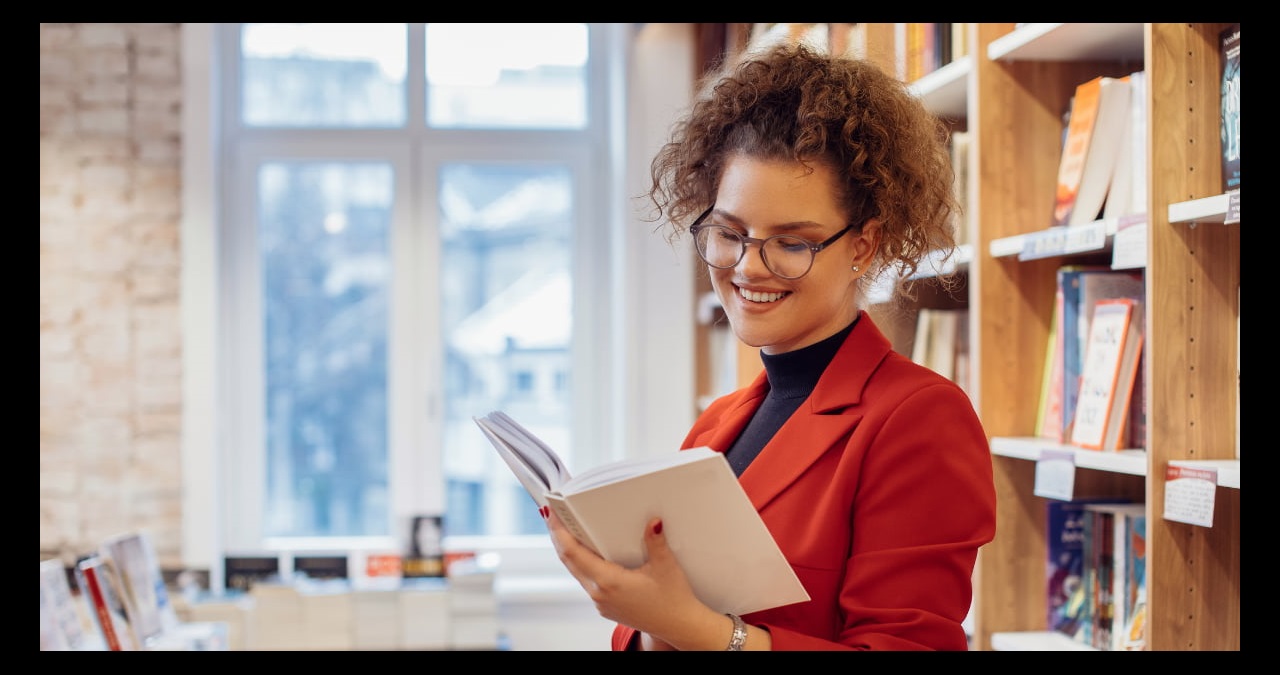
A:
x: 808, y: 226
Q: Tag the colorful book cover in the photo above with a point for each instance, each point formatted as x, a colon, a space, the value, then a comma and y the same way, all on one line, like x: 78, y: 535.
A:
x: 1074, y: 326
x: 1099, y: 115
x: 1083, y: 286
x: 1229, y: 100
x: 1065, y: 569
x: 1134, y: 636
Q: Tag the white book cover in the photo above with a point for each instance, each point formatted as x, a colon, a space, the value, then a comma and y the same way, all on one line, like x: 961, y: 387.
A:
x: 730, y: 557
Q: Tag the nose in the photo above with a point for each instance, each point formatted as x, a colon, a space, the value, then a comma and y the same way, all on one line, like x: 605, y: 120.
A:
x: 752, y: 264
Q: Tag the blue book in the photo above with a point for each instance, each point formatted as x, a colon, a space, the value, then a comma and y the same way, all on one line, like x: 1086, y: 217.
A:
x: 1067, y: 599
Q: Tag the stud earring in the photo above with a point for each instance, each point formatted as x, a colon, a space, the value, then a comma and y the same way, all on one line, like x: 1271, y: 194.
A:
x: 854, y: 268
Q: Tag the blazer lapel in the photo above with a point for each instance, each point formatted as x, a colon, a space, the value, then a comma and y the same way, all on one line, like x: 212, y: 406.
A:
x: 821, y: 423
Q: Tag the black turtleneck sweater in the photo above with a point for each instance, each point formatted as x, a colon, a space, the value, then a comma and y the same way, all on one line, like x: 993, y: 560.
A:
x: 792, y: 376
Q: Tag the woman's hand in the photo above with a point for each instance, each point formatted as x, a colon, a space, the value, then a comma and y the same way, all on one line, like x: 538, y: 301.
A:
x: 654, y: 598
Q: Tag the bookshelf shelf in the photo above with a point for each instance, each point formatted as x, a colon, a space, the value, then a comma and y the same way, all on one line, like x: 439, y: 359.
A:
x: 945, y: 91
x: 1204, y: 210
x: 1069, y: 42
x: 1132, y: 462
x: 1037, y: 641
x: 1057, y: 241
x: 1228, y: 469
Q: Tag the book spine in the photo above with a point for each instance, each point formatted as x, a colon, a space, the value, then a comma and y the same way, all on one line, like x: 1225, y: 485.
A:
x: 99, y: 602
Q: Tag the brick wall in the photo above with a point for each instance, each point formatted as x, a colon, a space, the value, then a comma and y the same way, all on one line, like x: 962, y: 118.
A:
x: 110, y: 331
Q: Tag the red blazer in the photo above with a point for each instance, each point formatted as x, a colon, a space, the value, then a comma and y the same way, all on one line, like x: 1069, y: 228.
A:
x: 879, y: 491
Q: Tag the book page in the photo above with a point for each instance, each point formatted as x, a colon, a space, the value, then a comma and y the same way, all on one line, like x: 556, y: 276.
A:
x: 616, y: 471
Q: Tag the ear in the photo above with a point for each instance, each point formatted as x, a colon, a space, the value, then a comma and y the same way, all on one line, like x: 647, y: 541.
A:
x: 865, y: 245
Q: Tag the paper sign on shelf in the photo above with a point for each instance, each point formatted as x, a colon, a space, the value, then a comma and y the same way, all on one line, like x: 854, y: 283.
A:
x: 1129, y: 245
x: 1233, y: 208
x: 1189, y: 494
x: 1056, y: 474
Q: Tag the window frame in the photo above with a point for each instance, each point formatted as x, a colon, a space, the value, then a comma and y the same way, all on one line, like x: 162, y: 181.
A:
x: 640, y: 361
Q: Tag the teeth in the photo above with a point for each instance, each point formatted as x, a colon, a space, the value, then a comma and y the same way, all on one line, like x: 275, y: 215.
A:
x: 759, y: 297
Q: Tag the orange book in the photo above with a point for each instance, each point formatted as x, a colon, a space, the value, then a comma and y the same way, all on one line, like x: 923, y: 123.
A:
x: 1094, y: 134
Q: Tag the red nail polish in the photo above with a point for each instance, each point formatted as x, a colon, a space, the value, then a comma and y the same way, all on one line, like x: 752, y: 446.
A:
x: 545, y: 511
x: 657, y: 527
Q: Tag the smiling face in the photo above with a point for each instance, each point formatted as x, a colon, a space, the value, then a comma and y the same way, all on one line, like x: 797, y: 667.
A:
x: 762, y: 198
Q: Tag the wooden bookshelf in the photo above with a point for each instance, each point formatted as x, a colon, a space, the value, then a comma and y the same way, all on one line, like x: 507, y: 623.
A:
x: 1020, y: 80
x: 1014, y: 86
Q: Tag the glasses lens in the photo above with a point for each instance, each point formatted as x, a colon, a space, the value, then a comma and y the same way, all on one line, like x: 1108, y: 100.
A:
x: 788, y: 257
x: 719, y: 246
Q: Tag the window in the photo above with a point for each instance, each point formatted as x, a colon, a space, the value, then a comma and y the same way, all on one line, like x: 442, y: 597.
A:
x: 399, y: 243
x: 403, y: 264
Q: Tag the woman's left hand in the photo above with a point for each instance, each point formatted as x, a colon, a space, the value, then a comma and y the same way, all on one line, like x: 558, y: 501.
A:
x: 654, y: 598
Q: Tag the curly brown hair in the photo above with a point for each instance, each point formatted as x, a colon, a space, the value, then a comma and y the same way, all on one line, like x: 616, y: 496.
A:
x: 792, y: 102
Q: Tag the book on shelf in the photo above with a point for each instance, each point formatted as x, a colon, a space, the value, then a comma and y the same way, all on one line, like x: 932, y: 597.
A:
x: 321, y: 567
x: 1049, y: 415
x: 1127, y: 195
x: 1116, y: 570
x: 1083, y: 286
x: 1229, y: 105
x: 959, y: 40
x: 241, y: 572
x: 1095, y: 124
x: 61, y: 628
x: 961, y: 143
x: 1065, y: 563
x: 1122, y: 563
x: 1110, y: 366
x: 141, y: 584
x: 726, y: 550
x: 100, y: 586
x: 1101, y: 575
x: 425, y: 557
x: 934, y: 345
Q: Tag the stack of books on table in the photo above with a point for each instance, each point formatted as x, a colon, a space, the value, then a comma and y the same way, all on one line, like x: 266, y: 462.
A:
x: 473, y: 603
x: 425, y: 614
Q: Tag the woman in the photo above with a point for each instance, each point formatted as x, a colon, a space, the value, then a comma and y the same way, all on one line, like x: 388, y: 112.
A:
x: 801, y: 177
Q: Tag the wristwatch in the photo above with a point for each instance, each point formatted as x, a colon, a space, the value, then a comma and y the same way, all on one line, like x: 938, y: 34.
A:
x: 739, y: 637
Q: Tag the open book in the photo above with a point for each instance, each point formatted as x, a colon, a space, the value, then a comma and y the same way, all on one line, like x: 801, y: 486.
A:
x: 727, y: 552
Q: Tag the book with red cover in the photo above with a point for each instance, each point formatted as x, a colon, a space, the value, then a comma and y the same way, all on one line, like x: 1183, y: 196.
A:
x: 98, y: 582
x: 1095, y: 130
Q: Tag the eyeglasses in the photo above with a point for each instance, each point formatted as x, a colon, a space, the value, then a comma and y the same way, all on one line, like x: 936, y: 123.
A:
x: 787, y: 256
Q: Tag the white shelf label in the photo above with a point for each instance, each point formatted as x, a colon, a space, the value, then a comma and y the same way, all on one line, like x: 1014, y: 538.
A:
x: 1057, y: 241
x: 1189, y: 494
x: 1129, y: 245
x: 1056, y: 474
x: 1233, y: 208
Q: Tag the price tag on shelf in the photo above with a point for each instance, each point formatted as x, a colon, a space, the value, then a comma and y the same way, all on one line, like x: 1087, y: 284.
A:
x: 1233, y: 208
x: 1088, y: 237
x: 1189, y: 494
x: 1044, y: 244
x: 1056, y: 474
x: 1129, y: 245
x: 1061, y: 240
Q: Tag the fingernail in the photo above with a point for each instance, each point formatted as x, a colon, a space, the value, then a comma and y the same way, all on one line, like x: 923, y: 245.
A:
x: 657, y: 527
x: 546, y: 512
